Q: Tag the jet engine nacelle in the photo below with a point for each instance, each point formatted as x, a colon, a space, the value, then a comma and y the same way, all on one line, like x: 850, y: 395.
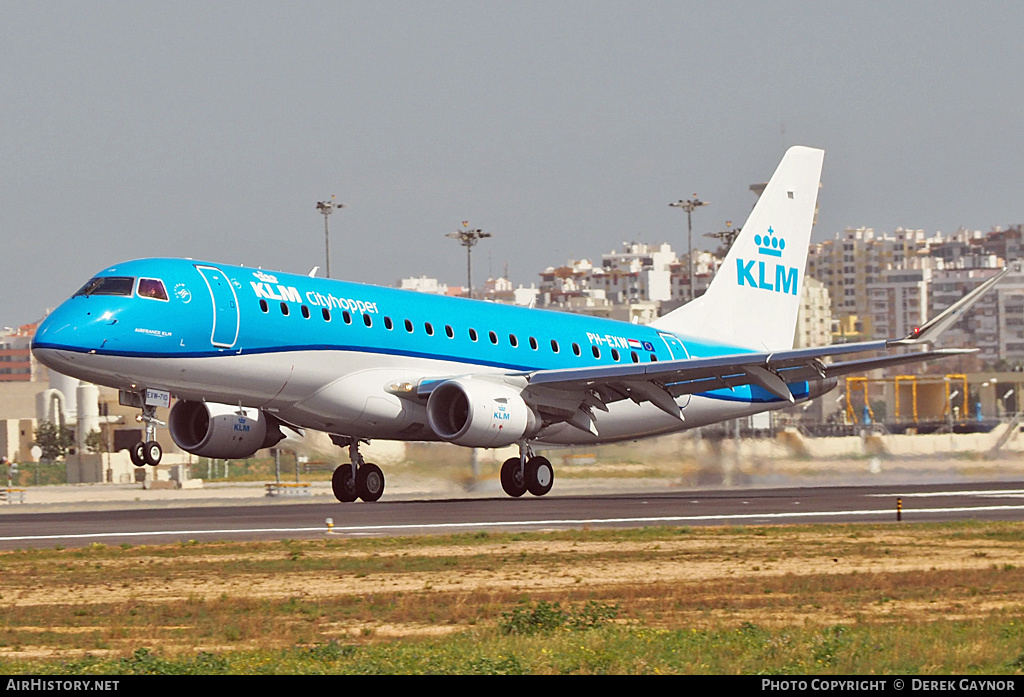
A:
x: 221, y: 431
x: 480, y: 414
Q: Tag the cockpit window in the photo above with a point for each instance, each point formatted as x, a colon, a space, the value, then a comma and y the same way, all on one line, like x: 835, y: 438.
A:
x: 108, y: 285
x: 152, y: 288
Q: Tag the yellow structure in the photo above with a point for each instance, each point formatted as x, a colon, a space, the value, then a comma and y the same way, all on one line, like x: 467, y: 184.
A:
x: 915, y: 398
x: 852, y: 384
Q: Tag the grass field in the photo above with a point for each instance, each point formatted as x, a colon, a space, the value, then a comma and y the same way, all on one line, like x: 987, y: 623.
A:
x: 842, y: 599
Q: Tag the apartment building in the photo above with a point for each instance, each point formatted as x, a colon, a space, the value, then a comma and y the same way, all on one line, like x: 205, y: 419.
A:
x: 638, y: 273
x: 849, y: 264
x: 898, y: 299
x: 16, y: 361
x: 814, y: 322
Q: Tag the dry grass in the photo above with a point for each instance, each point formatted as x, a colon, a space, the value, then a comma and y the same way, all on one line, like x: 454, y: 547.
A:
x: 265, y: 596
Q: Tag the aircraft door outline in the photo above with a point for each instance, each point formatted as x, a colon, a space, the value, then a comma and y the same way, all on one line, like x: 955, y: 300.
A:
x: 225, y: 307
x: 678, y: 351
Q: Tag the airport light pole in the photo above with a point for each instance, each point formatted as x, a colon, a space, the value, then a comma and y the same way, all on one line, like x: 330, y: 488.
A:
x: 688, y: 206
x: 726, y: 237
x: 468, y: 238
x: 326, y: 208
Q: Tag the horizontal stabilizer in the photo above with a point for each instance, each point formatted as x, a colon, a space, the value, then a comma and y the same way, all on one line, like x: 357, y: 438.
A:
x: 867, y: 364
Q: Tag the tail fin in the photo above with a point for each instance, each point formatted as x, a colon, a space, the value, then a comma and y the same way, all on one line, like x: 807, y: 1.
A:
x: 754, y: 298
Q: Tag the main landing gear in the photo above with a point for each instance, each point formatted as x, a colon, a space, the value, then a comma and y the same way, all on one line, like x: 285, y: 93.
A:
x: 148, y: 451
x: 528, y: 472
x: 360, y: 479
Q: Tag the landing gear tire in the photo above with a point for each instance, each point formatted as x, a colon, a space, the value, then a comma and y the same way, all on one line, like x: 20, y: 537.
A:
x: 343, y: 484
x: 137, y: 454
x: 152, y: 453
x: 539, y: 476
x: 369, y: 482
x: 512, y: 480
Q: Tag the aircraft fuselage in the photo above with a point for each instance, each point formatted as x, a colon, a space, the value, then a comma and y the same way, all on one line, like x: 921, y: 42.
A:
x: 326, y: 354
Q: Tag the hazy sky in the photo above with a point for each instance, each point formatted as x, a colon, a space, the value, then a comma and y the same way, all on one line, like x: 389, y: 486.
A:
x: 563, y: 127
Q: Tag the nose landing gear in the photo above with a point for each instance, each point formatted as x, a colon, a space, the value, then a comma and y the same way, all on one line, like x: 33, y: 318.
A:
x: 148, y: 451
x: 528, y: 472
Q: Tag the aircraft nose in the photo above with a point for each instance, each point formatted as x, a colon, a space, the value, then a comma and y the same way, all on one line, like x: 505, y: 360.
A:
x: 51, y: 330
x: 77, y: 326
x: 68, y: 333
x: 55, y: 334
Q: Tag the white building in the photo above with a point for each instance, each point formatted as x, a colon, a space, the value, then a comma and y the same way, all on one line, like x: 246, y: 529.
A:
x: 814, y: 321
x: 639, y: 273
x: 898, y: 300
x: 849, y: 264
x: 423, y: 284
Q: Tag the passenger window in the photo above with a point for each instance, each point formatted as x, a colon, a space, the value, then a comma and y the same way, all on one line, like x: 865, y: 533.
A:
x: 554, y: 346
x: 429, y: 328
x: 367, y: 320
x: 493, y: 337
x: 264, y: 306
x: 472, y: 334
x: 388, y: 324
x: 347, y: 316
x: 596, y: 350
x: 284, y: 309
x: 636, y: 358
x: 513, y: 340
x: 449, y: 331
x: 576, y: 348
x: 305, y: 312
x: 408, y: 326
x: 326, y: 313
x: 615, y: 355
x: 152, y: 288
x: 533, y: 343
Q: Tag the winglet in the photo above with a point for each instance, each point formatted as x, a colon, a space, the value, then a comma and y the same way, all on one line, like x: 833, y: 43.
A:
x: 930, y: 330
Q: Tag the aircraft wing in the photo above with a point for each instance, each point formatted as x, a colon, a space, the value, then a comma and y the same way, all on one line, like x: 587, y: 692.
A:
x: 572, y: 394
x: 660, y: 383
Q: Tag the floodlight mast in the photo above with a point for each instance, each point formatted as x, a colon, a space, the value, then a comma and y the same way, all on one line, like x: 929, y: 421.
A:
x: 726, y: 236
x: 468, y: 239
x: 326, y: 208
x: 688, y: 206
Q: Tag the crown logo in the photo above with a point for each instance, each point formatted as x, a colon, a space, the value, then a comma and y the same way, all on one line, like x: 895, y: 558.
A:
x: 265, y: 277
x: 769, y: 244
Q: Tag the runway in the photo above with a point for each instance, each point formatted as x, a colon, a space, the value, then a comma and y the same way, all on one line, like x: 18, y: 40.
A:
x: 273, y: 520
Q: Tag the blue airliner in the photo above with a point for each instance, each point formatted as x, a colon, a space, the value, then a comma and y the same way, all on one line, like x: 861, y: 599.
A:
x: 247, y: 352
